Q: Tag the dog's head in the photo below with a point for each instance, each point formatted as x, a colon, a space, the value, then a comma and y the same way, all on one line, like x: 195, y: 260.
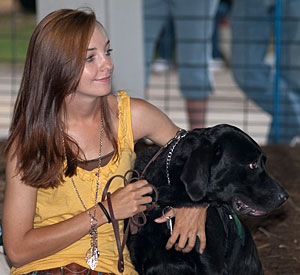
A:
x: 226, y: 165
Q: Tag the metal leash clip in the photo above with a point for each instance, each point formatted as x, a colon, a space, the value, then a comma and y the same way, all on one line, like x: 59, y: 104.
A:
x: 169, y: 217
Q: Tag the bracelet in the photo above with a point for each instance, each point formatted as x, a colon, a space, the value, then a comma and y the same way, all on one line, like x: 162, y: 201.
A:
x: 105, y: 211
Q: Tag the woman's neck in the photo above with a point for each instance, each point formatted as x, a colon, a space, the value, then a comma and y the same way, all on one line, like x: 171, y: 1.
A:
x: 82, y: 110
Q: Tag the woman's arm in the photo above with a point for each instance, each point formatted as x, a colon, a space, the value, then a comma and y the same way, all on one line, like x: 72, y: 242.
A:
x: 23, y: 243
x: 148, y: 121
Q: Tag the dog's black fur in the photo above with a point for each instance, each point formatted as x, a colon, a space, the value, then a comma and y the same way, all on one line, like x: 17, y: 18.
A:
x: 221, y: 166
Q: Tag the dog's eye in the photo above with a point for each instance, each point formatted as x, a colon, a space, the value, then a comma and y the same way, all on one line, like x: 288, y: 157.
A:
x: 253, y: 165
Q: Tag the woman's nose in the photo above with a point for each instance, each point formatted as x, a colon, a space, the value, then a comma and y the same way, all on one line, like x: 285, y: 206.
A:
x: 106, y: 63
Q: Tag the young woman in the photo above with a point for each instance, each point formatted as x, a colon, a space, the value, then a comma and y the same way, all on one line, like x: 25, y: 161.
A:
x: 69, y: 135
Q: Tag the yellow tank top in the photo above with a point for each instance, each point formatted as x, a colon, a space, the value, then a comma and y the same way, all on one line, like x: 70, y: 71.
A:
x: 62, y: 203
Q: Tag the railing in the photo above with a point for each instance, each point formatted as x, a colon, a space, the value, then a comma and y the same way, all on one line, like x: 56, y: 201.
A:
x: 228, y: 103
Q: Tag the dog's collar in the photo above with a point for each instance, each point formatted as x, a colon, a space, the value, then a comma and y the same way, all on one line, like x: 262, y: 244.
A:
x: 238, y: 225
x: 181, y: 133
x: 233, y: 216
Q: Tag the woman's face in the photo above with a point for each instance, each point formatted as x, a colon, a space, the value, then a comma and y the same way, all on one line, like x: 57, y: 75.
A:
x: 96, y: 76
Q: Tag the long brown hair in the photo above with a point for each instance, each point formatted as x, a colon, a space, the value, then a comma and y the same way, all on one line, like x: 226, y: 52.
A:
x: 53, y: 67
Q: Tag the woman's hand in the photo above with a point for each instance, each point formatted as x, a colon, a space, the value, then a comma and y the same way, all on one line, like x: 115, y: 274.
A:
x: 189, y: 223
x: 130, y: 200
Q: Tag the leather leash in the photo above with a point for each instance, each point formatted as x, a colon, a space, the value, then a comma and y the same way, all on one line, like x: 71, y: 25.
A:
x: 133, y: 222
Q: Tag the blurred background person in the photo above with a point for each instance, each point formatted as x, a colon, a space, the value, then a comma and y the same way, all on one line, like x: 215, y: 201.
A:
x: 253, y: 29
x: 193, y: 27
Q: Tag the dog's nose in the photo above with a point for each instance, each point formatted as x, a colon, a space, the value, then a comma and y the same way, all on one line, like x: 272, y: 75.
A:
x: 283, y: 196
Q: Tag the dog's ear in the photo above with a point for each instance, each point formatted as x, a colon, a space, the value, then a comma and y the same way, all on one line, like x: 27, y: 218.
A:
x: 196, y: 171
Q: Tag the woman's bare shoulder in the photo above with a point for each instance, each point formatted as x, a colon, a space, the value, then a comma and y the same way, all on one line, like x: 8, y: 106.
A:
x: 150, y: 122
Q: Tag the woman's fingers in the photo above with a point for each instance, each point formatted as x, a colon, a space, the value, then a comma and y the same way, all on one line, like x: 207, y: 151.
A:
x: 189, y: 223
x: 131, y: 199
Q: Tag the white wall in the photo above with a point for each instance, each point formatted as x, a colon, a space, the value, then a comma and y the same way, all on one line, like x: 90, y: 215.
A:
x: 124, y: 25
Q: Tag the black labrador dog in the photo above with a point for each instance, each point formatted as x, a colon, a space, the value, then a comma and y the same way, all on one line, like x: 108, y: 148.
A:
x: 223, y: 167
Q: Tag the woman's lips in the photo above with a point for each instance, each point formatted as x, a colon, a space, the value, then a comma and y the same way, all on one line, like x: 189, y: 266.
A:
x: 104, y: 79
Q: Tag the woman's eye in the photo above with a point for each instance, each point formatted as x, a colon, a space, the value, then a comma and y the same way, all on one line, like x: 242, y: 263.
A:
x: 90, y: 58
x: 253, y: 165
x: 108, y: 52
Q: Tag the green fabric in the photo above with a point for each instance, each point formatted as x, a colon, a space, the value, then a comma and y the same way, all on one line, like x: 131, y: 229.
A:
x: 238, y: 225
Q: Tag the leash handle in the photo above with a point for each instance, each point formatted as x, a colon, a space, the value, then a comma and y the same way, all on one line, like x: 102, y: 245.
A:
x: 133, y: 223
x: 126, y: 182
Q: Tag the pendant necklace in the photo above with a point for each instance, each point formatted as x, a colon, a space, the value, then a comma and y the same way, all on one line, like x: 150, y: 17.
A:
x: 93, y: 253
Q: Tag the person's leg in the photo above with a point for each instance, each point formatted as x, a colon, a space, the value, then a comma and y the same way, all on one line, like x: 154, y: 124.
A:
x: 252, y: 25
x: 193, y: 23
x: 289, y: 108
x: 164, y: 48
x: 155, y: 17
x: 196, y: 111
x: 256, y: 78
x: 166, y: 45
x: 221, y: 13
x: 251, y: 29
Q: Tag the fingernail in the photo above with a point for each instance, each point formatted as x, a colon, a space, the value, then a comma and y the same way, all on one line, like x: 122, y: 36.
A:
x: 159, y: 220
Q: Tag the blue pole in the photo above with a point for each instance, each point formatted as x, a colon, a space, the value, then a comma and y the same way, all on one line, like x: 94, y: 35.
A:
x: 277, y: 70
